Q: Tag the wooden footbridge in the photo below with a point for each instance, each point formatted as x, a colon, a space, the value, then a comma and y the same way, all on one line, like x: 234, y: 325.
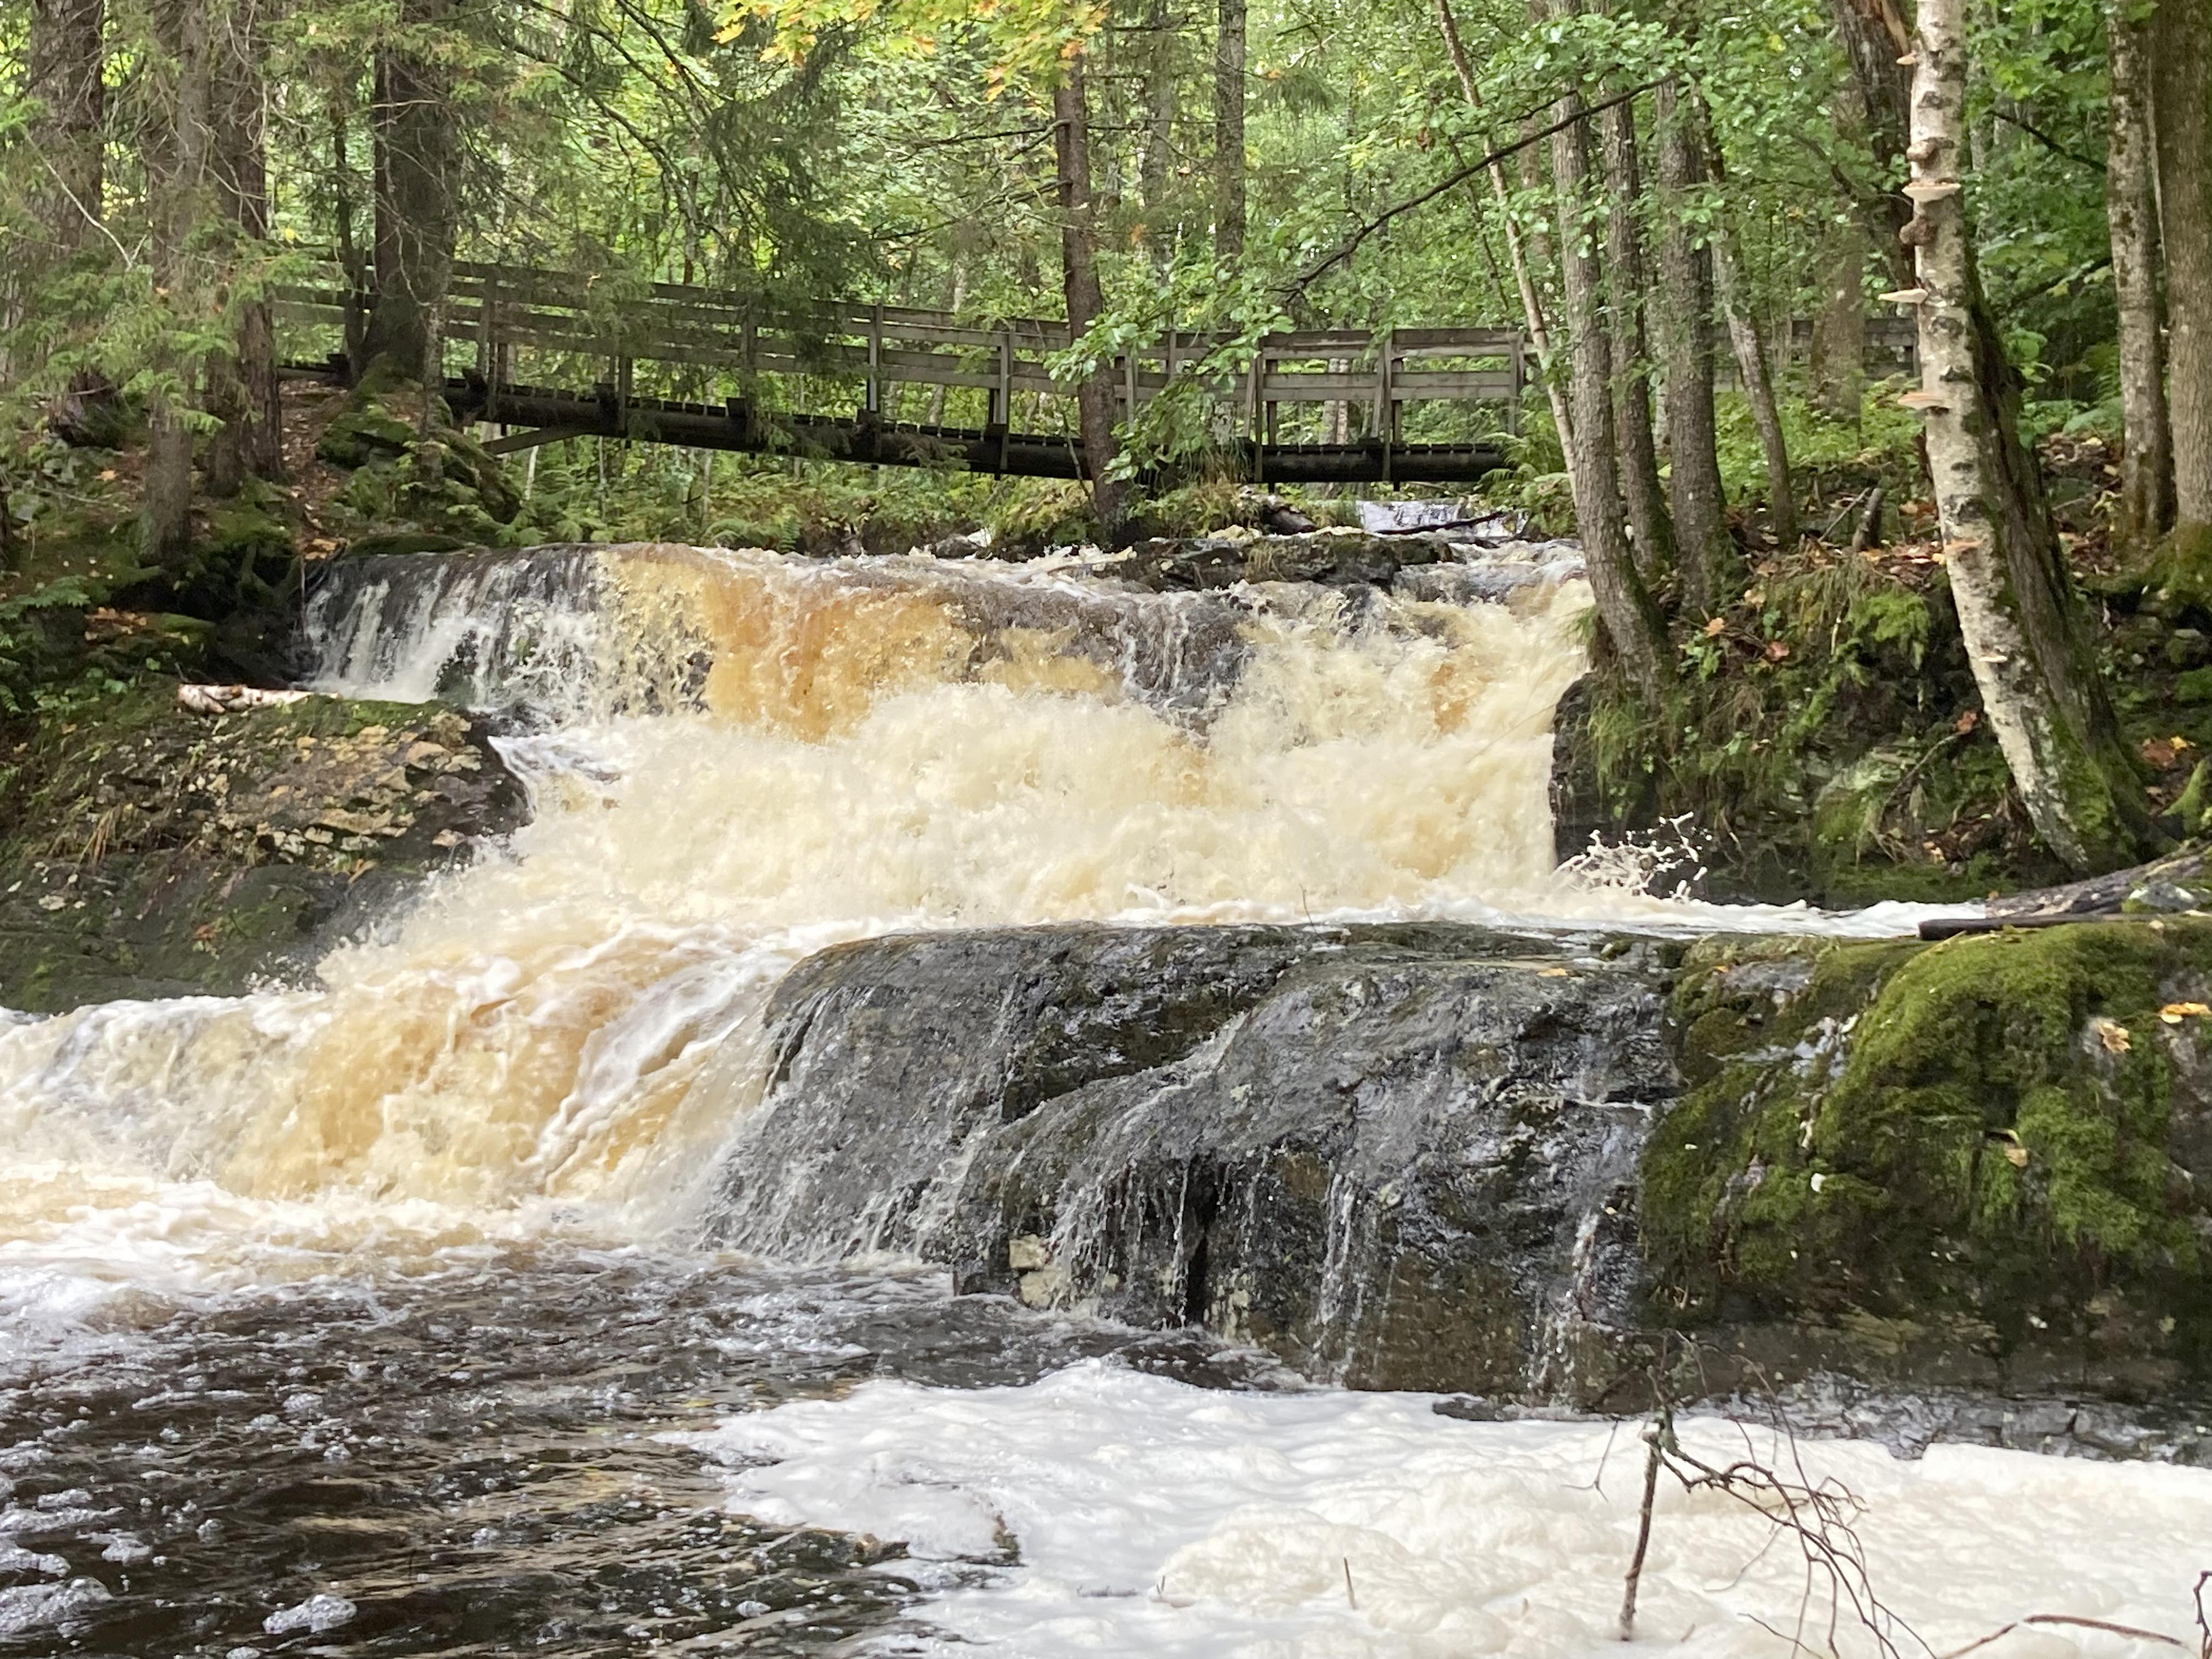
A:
x: 890, y: 386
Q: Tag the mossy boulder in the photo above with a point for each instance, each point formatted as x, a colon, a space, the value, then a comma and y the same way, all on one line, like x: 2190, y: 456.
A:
x: 1997, y: 1148
x: 416, y: 473
x: 2177, y: 581
x: 363, y: 433
x: 145, y: 851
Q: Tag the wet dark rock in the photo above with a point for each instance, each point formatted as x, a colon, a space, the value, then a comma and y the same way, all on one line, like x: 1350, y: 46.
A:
x: 1402, y: 1155
x: 146, y: 851
x: 1528, y: 1170
x: 1585, y: 804
x: 1334, y: 558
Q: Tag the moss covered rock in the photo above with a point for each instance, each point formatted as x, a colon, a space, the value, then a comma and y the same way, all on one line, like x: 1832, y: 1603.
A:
x: 1999, y: 1147
x: 149, y: 852
x: 416, y: 475
x: 1824, y: 742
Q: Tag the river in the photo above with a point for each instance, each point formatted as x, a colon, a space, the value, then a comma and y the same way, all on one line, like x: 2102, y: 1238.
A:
x: 386, y: 1315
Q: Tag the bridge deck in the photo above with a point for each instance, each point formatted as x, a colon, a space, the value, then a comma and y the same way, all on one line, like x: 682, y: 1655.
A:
x: 701, y: 340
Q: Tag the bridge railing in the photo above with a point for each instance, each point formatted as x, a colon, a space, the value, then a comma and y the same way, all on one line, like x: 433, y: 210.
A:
x: 706, y: 334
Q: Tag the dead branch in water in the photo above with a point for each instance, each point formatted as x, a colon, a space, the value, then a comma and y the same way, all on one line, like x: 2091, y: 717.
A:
x: 1651, y: 1464
x: 2064, y: 1618
x: 1821, y: 1516
x: 1818, y: 1516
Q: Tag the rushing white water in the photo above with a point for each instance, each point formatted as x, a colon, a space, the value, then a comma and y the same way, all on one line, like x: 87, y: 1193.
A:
x: 1104, y: 1511
x: 736, y: 758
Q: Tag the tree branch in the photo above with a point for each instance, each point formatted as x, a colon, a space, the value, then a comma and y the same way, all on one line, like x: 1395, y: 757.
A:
x: 2049, y: 143
x: 1351, y: 245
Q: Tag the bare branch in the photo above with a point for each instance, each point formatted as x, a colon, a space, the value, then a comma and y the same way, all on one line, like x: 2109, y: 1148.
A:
x: 1313, y: 273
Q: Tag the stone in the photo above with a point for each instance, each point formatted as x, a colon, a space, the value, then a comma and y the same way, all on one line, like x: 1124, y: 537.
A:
x: 1524, y: 1169
x: 1397, y: 1156
x: 170, y: 845
x: 1333, y: 557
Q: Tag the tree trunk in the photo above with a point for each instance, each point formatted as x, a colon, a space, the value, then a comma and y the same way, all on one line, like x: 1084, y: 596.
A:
x: 1703, y: 551
x: 2017, y: 610
x: 1625, y: 614
x: 1229, y: 130
x: 351, y: 260
x: 1751, y: 364
x: 2181, y: 54
x: 1874, y: 36
x: 1156, y: 150
x: 415, y: 154
x: 2146, y: 507
x: 1532, y: 303
x: 242, y: 390
x: 955, y: 302
x: 1835, y: 374
x: 1632, y: 347
x: 62, y: 72
x: 67, y: 129
x: 176, y: 173
x: 1078, y: 258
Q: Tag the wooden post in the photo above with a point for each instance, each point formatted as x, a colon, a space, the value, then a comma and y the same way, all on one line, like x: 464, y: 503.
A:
x: 1387, y: 405
x: 1129, y: 382
x: 484, y: 327
x: 1520, y: 385
x: 1002, y: 396
x: 872, y: 397
x: 489, y: 348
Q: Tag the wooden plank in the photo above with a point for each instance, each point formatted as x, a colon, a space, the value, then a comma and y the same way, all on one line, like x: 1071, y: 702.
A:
x: 847, y: 317
x: 1302, y: 385
x: 1496, y: 339
x: 515, y: 442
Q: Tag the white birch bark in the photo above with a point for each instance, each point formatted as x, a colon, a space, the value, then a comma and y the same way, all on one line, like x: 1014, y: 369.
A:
x: 2041, y: 698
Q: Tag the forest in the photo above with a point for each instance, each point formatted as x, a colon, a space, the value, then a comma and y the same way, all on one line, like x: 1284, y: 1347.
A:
x: 1134, y: 827
x: 1869, y: 354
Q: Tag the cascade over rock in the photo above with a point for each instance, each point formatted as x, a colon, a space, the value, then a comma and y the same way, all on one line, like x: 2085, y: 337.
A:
x: 1527, y: 1167
x: 1398, y: 1156
x: 1196, y: 958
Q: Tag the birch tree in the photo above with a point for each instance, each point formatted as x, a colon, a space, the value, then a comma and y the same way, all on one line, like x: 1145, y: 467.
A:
x: 2016, y: 606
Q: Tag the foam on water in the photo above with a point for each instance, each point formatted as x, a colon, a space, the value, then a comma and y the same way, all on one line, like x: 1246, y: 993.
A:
x: 1104, y: 1511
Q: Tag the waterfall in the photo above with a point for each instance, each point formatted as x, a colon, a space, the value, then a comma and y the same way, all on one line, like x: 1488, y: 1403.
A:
x: 738, y: 759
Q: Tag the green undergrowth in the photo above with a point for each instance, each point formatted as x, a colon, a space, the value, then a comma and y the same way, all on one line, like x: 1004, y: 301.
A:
x: 1831, y: 461
x: 1824, y: 741
x: 2002, y: 1131
x: 590, y: 490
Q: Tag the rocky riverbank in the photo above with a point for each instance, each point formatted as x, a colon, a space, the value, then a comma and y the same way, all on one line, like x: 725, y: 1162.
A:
x: 1450, y: 1158
x: 152, y: 851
